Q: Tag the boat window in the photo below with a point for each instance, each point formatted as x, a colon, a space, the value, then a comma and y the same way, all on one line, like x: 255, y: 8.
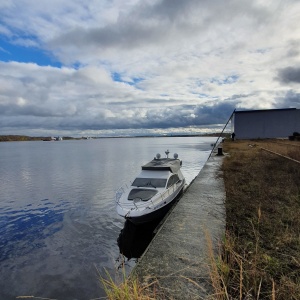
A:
x: 150, y: 182
x: 143, y: 195
x: 173, y: 179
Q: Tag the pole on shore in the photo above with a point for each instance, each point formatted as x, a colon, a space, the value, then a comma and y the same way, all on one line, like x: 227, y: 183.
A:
x: 216, y: 143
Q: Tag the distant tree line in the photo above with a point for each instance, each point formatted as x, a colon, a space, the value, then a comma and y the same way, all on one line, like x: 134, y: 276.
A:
x: 12, y: 138
x: 19, y: 138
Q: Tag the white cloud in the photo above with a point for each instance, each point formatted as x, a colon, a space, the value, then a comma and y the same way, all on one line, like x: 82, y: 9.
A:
x: 176, y: 59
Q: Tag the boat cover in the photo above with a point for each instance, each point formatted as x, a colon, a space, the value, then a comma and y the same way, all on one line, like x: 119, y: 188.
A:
x: 163, y: 164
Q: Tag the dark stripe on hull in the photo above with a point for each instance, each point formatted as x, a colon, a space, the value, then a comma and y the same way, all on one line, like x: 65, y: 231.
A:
x: 160, y: 213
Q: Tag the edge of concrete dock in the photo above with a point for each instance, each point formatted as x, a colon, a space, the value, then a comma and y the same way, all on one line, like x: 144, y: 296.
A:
x: 178, y: 257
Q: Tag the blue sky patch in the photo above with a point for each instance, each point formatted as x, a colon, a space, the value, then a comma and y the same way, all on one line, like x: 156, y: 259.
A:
x: 11, y: 52
x: 228, y: 80
x: 118, y: 77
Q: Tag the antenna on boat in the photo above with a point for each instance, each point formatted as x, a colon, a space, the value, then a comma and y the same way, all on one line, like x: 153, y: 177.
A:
x: 167, y: 153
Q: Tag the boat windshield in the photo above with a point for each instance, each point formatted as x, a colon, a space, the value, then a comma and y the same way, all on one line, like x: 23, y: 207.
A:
x: 150, y: 182
x: 141, y: 194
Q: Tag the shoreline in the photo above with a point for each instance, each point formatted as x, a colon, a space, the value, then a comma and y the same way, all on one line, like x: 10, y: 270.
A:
x: 25, y: 138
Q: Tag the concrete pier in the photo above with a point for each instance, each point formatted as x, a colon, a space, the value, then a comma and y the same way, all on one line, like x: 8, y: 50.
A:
x: 177, y: 256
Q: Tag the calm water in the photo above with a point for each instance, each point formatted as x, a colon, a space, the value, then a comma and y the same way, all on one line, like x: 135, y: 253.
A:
x: 58, y: 223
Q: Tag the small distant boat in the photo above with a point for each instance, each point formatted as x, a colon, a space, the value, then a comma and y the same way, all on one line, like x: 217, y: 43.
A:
x: 52, y: 138
x: 153, y: 191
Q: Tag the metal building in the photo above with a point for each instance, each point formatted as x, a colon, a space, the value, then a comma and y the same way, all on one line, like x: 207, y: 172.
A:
x: 261, y: 124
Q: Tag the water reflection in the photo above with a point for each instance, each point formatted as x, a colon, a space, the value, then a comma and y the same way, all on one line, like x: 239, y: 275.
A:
x: 134, y: 239
x: 22, y: 231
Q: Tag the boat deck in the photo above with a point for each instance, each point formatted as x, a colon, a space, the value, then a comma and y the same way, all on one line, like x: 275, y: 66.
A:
x: 163, y: 164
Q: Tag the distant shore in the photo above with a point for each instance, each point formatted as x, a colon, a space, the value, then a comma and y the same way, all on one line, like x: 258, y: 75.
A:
x: 20, y: 138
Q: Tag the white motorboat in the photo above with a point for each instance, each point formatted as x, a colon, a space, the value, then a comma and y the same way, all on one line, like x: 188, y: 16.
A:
x: 152, y: 192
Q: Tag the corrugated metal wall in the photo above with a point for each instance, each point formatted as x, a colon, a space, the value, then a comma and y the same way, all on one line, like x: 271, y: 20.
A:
x: 259, y: 124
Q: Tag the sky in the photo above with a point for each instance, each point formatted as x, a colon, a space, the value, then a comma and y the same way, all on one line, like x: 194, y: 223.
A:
x: 122, y: 67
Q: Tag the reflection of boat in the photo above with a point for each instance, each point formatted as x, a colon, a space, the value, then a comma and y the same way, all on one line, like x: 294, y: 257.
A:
x: 133, y: 240
x: 153, y: 190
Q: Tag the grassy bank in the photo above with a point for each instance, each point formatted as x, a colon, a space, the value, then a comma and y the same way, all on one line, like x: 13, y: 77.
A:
x: 261, y: 252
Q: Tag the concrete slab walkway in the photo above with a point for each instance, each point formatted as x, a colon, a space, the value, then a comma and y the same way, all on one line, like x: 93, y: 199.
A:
x: 177, y: 256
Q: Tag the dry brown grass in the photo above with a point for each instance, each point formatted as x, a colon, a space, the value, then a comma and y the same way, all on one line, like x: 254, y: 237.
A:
x: 129, y: 289
x: 261, y: 251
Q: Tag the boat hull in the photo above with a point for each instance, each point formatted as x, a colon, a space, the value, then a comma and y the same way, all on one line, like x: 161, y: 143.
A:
x: 156, y: 214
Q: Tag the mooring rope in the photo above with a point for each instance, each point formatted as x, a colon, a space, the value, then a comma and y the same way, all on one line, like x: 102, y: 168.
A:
x: 285, y: 144
x: 294, y: 160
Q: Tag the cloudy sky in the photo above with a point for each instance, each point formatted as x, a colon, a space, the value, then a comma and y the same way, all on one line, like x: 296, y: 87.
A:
x: 118, y: 66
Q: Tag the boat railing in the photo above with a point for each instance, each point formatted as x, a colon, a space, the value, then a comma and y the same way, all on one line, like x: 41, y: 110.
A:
x: 160, y: 196
x: 120, y: 191
x: 170, y: 190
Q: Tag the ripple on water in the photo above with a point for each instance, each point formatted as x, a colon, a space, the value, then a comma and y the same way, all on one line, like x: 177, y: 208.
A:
x: 23, y: 230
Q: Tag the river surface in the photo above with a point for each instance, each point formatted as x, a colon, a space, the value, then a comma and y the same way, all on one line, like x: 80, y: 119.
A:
x: 58, y: 223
